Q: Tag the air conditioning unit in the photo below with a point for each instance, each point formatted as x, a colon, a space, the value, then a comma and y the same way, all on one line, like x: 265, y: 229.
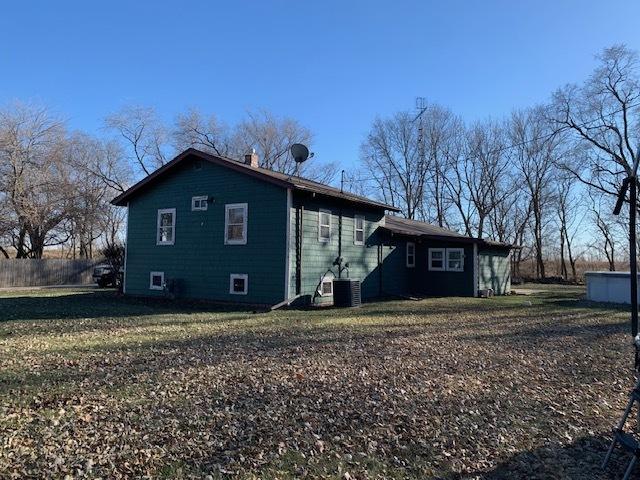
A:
x: 346, y: 292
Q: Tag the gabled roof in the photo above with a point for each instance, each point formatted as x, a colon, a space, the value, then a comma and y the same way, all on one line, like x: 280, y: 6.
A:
x: 277, y: 178
x: 404, y: 226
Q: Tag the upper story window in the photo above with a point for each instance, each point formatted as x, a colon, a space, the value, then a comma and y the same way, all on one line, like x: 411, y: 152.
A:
x: 199, y: 203
x: 235, y: 224
x: 166, y: 226
x: 411, y: 254
x: 455, y: 259
x: 324, y: 226
x: 358, y: 232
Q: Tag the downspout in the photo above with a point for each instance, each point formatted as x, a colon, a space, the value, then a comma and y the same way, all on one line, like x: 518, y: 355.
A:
x: 340, y: 242
x: 126, y: 251
x: 299, y: 238
x: 287, y: 266
x: 476, y: 278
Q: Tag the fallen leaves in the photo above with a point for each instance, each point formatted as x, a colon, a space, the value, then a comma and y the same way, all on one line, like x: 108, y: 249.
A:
x: 439, y: 388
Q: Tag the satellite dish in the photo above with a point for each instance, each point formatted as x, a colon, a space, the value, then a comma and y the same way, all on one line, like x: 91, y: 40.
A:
x: 299, y: 152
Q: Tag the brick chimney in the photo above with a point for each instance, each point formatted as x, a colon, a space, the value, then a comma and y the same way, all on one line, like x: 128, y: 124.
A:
x: 251, y: 159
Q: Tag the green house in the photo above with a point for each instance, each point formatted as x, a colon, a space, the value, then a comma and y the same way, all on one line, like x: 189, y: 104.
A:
x: 209, y: 227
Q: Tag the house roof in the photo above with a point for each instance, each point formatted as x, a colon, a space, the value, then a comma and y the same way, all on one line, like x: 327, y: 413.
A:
x: 281, y: 179
x: 404, y: 226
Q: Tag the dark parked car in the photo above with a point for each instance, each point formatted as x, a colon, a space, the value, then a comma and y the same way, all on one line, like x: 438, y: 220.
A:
x: 105, y: 275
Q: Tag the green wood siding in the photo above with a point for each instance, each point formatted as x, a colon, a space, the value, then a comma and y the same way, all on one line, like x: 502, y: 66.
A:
x: 318, y: 257
x: 199, y: 260
x: 494, y: 270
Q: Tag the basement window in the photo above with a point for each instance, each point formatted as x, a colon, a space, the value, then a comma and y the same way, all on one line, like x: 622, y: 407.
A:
x: 358, y: 230
x: 436, y: 259
x: 411, y: 254
x: 156, y: 280
x: 166, y: 226
x: 238, y: 283
x: 324, y: 226
x: 235, y: 224
x: 199, y: 203
x: 326, y: 286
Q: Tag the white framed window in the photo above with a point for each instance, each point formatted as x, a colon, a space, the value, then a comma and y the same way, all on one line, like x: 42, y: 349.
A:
x: 238, y: 283
x: 411, y: 254
x: 455, y: 259
x: 199, y: 203
x: 235, y: 224
x: 166, y: 226
x: 156, y: 281
x: 324, y: 226
x: 436, y: 259
x: 326, y: 285
x: 358, y: 230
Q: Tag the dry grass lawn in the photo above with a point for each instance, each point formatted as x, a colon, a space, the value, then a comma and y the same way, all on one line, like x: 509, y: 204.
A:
x: 92, y: 385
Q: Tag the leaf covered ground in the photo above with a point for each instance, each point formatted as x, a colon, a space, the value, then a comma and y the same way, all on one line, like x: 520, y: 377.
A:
x: 94, y: 385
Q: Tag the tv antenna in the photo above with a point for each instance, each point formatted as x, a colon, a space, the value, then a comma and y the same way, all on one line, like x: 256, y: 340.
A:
x: 300, y: 154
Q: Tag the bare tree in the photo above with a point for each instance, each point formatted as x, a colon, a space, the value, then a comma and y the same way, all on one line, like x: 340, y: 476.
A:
x: 602, y: 117
x: 607, y: 238
x: 391, y: 155
x: 143, y: 135
x: 477, y: 184
x: 570, y: 218
x: 535, y: 154
x: 271, y: 137
x: 209, y: 134
x: 35, y: 179
x: 441, y: 143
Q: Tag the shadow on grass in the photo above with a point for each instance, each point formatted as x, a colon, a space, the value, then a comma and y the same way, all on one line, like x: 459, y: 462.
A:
x: 96, y: 304
x: 580, y: 459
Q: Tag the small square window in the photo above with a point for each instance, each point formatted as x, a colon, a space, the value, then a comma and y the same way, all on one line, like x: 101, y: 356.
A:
x: 199, y: 203
x: 358, y: 230
x: 156, y: 280
x: 326, y: 285
x: 238, y: 284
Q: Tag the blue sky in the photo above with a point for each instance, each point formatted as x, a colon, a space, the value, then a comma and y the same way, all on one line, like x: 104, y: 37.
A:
x: 334, y: 65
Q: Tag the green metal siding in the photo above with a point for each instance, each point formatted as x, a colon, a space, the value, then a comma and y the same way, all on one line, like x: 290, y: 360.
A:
x: 494, y: 270
x: 199, y: 260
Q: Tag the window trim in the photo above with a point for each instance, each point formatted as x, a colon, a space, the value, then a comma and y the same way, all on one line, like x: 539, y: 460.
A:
x: 461, y: 250
x: 411, y: 264
x: 162, y: 211
x: 327, y: 278
x: 199, y: 198
x: 151, y: 285
x: 245, y: 223
x: 356, y: 229
x: 444, y: 259
x: 320, y: 225
x: 242, y: 276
